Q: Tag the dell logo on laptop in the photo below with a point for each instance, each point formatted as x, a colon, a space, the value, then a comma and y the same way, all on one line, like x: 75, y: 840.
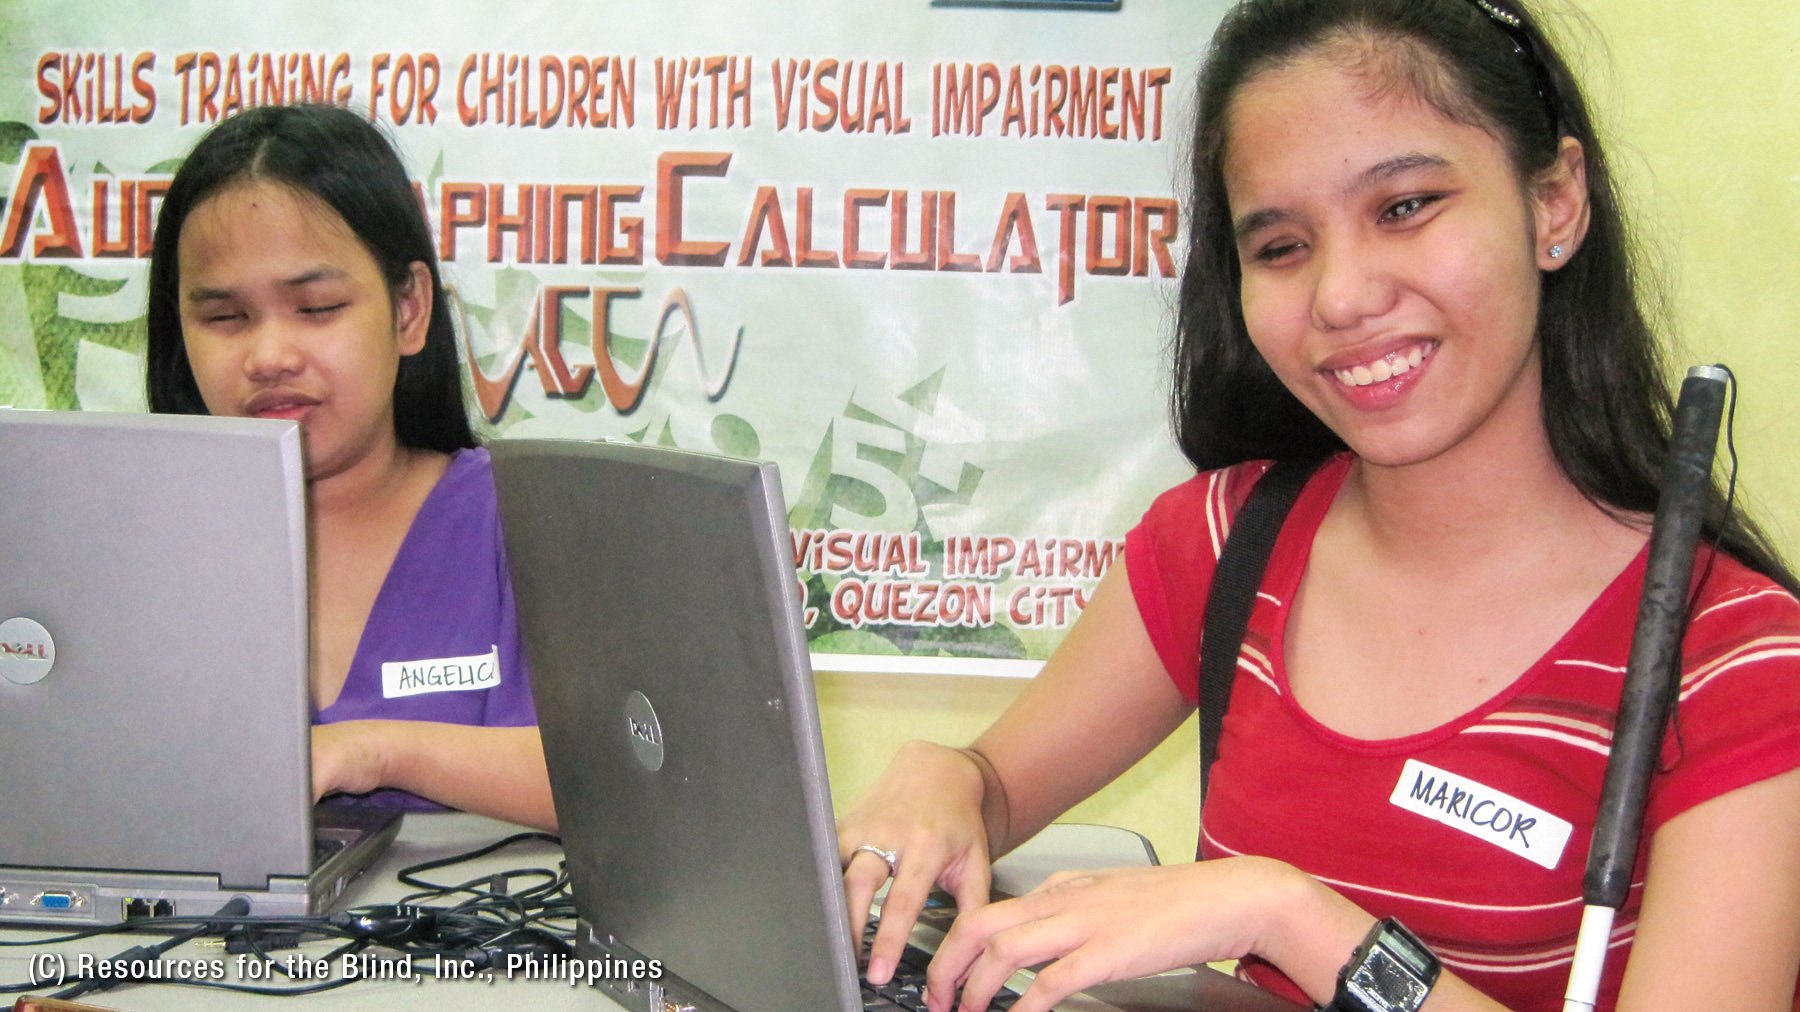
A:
x: 27, y: 651
x: 646, y: 733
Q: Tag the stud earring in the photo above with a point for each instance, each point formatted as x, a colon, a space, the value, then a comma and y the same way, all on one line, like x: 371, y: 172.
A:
x: 1556, y: 252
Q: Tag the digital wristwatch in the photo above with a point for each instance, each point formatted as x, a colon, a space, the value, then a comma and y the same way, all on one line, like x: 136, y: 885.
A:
x: 1391, y: 971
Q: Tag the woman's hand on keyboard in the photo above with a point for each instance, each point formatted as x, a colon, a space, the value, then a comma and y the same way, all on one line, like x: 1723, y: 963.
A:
x: 926, y: 810
x: 1098, y: 926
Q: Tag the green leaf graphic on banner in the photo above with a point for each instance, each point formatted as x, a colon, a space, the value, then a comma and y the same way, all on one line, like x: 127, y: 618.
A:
x: 49, y: 307
x: 21, y: 382
x: 828, y: 488
x: 888, y: 454
x: 735, y: 436
x: 58, y: 338
x: 854, y: 641
x: 13, y: 138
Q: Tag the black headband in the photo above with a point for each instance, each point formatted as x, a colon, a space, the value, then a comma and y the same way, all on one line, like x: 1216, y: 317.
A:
x: 1514, y: 27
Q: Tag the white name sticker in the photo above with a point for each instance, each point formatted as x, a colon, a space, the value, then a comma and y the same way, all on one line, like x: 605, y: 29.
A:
x: 442, y: 674
x: 1482, y: 812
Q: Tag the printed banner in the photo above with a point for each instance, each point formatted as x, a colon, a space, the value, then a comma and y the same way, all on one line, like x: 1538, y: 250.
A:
x: 922, y: 256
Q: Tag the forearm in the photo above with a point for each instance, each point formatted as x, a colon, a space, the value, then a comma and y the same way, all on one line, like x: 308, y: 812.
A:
x: 1102, y: 702
x: 1310, y: 931
x: 996, y: 808
x: 1027, y: 784
x: 494, y: 771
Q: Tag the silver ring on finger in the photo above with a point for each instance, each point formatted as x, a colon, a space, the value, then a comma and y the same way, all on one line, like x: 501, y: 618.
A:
x: 892, y: 857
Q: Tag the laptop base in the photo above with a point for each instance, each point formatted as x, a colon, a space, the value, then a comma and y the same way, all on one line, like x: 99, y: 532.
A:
x: 350, y: 840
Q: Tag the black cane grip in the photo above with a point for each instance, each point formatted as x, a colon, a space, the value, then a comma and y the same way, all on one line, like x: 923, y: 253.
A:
x: 1654, y: 663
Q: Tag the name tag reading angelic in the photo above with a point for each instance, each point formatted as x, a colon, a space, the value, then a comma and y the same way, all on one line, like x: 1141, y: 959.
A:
x: 1482, y: 812
x: 442, y: 674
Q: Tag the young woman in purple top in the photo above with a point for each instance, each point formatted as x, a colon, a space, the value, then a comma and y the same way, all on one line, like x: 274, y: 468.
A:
x: 293, y: 276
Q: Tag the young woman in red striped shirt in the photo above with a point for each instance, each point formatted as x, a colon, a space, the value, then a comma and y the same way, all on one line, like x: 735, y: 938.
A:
x: 1405, y: 252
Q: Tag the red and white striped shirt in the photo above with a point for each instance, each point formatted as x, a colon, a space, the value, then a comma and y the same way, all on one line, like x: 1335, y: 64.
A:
x: 1460, y: 831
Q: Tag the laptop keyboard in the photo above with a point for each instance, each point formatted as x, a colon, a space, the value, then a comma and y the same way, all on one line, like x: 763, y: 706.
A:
x: 907, y: 988
x: 324, y: 847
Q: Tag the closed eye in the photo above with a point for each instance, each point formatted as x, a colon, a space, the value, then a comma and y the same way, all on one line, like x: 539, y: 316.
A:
x: 322, y: 310
x: 1275, y: 252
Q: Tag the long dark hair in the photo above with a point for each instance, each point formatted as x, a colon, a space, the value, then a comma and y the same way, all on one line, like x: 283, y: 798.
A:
x: 1486, y: 63
x: 342, y: 160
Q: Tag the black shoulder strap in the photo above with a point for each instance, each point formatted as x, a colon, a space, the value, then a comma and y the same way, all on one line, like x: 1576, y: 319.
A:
x: 1233, y: 592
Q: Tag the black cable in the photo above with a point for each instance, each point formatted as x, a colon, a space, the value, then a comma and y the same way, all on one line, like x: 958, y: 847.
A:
x: 491, y: 911
x: 408, y: 875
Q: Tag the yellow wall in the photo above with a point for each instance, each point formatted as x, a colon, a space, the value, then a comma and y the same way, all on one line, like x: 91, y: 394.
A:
x: 1701, y: 103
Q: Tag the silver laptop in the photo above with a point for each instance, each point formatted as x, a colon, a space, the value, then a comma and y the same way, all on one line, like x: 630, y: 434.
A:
x: 155, y: 753
x: 661, y: 615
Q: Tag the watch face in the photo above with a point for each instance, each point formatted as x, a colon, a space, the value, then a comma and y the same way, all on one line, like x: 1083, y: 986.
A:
x: 1385, y: 984
x: 1402, y: 945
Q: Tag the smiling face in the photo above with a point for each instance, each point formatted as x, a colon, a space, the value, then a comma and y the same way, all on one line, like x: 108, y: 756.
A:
x: 285, y: 314
x: 1390, y: 260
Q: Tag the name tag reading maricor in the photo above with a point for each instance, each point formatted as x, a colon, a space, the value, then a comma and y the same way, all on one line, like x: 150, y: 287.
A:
x: 1482, y: 812
x: 441, y: 674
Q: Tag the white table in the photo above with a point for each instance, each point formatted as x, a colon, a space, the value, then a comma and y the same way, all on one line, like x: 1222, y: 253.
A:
x: 434, y: 836
x: 423, y: 837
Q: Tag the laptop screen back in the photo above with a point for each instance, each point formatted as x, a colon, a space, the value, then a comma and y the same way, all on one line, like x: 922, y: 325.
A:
x: 660, y: 611
x: 153, y: 706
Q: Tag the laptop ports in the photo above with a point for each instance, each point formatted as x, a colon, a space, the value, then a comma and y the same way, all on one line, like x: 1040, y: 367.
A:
x: 136, y: 908
x: 56, y: 901
x: 24, y: 900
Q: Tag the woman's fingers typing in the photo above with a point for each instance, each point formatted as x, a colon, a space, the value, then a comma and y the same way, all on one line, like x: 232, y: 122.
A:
x: 919, y: 826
